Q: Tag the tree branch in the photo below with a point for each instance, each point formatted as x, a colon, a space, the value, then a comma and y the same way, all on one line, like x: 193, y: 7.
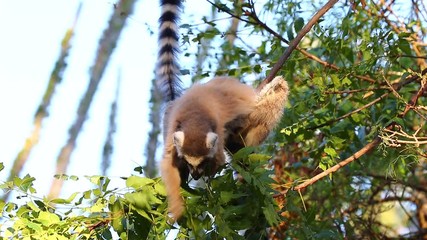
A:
x: 368, y: 147
x: 258, y: 22
x: 294, y: 43
x: 106, y: 46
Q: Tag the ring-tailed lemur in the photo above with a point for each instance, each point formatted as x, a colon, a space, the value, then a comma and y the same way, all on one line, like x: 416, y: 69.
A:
x: 208, y: 118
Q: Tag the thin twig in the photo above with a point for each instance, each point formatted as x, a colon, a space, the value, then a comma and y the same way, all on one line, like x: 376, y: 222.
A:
x: 354, y: 90
x: 350, y: 113
x: 414, y: 38
x: 368, y: 147
x: 264, y: 26
x: 415, y: 97
x: 393, y: 89
x: 229, y: 12
x: 294, y: 43
x: 403, y: 134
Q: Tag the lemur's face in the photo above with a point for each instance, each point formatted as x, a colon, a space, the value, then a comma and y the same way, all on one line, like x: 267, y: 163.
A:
x: 198, y: 155
x: 199, y: 166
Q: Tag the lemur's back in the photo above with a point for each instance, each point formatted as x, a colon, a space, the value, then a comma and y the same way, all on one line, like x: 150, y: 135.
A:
x: 221, y: 99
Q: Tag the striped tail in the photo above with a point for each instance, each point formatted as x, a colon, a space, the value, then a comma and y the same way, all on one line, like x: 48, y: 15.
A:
x: 167, y: 66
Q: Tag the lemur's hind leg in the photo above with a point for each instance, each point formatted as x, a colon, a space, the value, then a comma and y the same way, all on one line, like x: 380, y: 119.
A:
x: 253, y: 129
x: 267, y: 113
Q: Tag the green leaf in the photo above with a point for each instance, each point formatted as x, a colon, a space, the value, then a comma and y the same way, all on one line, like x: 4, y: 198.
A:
x: 47, y: 218
x: 326, y: 234
x: 138, y: 199
x: 118, y: 219
x: 348, y: 53
x: 160, y: 189
x: 346, y: 81
x: 25, y: 184
x: 335, y: 79
x: 319, y: 82
x: 404, y: 46
x: 96, y: 179
x: 258, y: 157
x: 65, y: 201
x: 270, y: 213
x: 139, y: 169
x: 185, y: 26
x: 106, y: 234
x: 33, y: 206
x: 61, y: 176
x: 2, y: 205
x: 404, y: 34
x: 97, y: 192
x: 136, y: 182
x: 104, y: 184
x: 290, y: 34
x: 331, y: 152
x: 35, y: 226
x: 299, y: 24
x: 232, y: 72
x: 97, y: 207
x: 74, y: 178
x: 287, y: 131
x: 139, y: 227
x: 87, y: 194
x: 225, y: 196
x: 243, y: 153
x: 323, y: 165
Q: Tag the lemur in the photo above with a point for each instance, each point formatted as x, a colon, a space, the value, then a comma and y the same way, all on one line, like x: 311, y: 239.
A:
x: 208, y: 119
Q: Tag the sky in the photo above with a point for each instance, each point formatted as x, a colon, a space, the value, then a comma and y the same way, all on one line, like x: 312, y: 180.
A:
x: 31, y: 33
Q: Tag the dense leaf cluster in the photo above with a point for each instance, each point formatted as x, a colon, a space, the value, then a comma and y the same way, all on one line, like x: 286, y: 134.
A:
x: 223, y: 208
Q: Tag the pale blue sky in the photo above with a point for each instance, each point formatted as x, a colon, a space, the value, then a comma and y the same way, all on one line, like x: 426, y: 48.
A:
x: 31, y: 33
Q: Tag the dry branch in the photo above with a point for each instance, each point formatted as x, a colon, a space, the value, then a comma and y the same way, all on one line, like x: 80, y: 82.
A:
x: 43, y: 108
x: 108, y: 145
x: 368, y: 147
x: 378, y: 139
x: 258, y: 22
x: 155, y: 120
x: 296, y: 41
x: 105, y: 49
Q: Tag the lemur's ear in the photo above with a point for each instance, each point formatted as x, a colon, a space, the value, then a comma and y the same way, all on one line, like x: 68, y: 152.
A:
x: 212, y: 143
x: 178, y: 141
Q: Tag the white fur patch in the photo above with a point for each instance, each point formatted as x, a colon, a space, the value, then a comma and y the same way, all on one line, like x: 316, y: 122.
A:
x: 194, y: 161
x: 212, y: 143
x: 178, y: 141
x: 170, y: 8
x: 269, y: 87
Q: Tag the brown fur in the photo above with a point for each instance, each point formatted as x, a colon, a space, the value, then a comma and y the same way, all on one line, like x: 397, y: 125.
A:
x: 233, y: 111
x: 203, y: 108
x: 253, y: 129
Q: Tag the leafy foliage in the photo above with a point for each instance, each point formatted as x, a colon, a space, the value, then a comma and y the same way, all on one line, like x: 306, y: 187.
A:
x: 139, y: 211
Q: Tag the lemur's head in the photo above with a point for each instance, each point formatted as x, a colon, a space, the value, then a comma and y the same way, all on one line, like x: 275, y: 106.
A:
x: 198, y: 150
